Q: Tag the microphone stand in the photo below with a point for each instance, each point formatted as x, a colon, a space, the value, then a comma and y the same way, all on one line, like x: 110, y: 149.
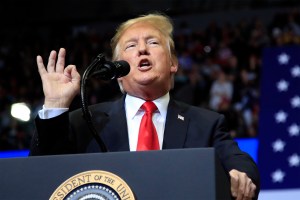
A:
x: 100, y: 59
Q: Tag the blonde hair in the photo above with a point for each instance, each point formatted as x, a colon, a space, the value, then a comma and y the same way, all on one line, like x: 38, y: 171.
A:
x: 161, y: 22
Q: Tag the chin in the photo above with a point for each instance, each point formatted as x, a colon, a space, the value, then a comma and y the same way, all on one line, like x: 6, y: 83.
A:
x: 146, y: 80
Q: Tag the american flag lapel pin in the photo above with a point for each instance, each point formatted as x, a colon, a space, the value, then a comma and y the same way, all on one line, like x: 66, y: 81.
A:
x: 180, y: 117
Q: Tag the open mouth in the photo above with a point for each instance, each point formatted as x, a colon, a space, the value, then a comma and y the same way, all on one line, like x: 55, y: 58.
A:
x: 144, y: 64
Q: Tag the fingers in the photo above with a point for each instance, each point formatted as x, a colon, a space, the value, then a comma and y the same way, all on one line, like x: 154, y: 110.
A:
x: 237, y: 185
x: 252, y: 189
x: 40, y: 65
x: 51, y: 62
x: 52, y: 65
x: 234, y: 184
x: 242, y: 186
x: 74, y: 76
x: 248, y: 188
x: 71, y: 72
x: 60, y: 65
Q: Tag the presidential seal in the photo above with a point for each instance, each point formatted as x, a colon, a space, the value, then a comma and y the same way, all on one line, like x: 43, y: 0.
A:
x: 93, y: 185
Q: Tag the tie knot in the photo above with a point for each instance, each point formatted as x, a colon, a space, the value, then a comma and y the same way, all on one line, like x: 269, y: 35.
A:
x: 149, y: 107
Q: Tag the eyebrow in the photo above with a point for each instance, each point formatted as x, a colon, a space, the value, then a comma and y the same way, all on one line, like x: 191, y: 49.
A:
x: 130, y: 40
x: 134, y: 39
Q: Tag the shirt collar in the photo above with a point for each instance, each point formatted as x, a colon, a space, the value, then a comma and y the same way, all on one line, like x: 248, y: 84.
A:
x: 133, y: 104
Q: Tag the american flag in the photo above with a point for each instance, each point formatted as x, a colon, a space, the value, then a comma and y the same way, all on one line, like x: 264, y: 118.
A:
x: 279, y: 123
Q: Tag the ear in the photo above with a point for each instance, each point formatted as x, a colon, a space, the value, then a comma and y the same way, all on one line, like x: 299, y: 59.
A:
x: 174, y: 66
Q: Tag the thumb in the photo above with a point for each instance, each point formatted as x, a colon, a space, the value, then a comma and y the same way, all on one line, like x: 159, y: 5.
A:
x: 75, y: 75
x: 71, y: 72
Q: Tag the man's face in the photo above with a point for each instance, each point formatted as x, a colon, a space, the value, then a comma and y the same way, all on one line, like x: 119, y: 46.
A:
x: 151, y: 67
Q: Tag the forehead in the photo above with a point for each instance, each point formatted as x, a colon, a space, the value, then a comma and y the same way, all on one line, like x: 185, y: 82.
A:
x: 140, y: 30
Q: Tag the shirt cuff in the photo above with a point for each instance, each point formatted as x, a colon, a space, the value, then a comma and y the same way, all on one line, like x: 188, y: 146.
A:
x: 47, y: 113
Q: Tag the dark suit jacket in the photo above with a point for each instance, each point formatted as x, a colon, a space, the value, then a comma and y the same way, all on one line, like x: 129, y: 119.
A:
x: 186, y: 127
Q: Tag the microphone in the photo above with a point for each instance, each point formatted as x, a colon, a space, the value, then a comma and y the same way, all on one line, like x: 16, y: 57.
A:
x: 105, y: 70
x: 111, y: 70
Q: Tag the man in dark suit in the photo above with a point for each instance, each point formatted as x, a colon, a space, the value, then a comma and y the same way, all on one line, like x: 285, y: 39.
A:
x: 146, y: 44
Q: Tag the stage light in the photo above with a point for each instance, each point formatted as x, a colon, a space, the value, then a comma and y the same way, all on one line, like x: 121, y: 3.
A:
x: 20, y: 111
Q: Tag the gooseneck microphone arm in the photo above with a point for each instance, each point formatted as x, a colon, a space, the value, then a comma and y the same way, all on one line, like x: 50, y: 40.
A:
x: 104, y: 70
x: 84, y: 103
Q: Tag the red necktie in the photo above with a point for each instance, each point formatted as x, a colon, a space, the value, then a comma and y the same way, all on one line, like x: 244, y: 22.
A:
x: 148, y: 139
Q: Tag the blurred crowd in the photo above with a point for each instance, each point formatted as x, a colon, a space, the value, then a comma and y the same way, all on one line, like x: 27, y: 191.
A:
x: 219, y: 68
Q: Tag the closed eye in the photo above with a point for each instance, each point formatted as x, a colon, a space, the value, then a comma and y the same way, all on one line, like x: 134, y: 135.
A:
x: 130, y: 46
x: 153, y: 42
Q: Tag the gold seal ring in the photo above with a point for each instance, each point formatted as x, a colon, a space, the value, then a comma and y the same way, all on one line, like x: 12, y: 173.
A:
x: 96, y: 182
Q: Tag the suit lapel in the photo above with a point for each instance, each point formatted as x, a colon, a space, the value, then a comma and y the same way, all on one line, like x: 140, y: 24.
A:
x: 176, y: 126
x: 114, y: 130
x: 114, y: 126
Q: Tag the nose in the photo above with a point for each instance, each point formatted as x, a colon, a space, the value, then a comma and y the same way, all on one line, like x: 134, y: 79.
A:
x: 143, y: 49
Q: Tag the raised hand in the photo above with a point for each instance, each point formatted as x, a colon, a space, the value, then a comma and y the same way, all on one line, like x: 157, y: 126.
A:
x: 60, y: 84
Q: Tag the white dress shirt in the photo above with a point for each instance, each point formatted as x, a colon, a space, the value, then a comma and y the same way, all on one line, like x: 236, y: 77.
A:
x: 134, y: 116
